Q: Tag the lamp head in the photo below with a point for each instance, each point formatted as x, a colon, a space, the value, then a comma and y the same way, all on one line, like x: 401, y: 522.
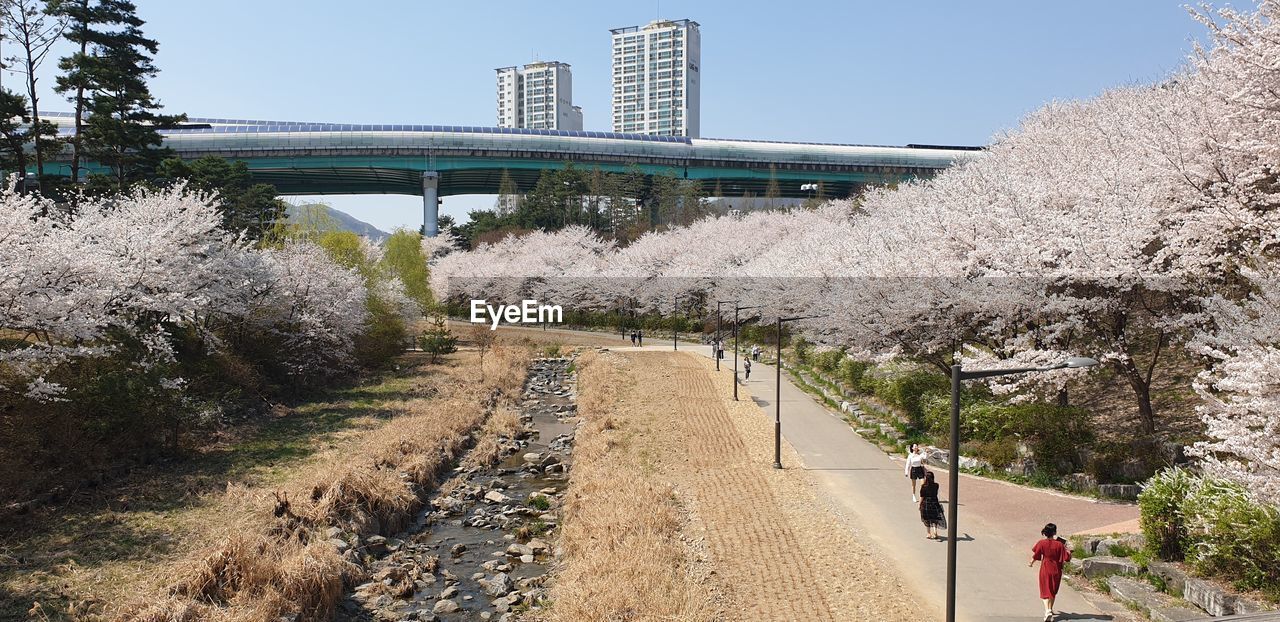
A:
x: 1079, y: 361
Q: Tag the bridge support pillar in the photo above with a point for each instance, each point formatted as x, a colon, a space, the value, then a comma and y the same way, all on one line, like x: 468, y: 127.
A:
x: 430, y: 203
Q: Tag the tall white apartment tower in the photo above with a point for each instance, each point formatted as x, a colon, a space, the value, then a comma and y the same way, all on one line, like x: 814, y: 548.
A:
x: 656, y: 78
x: 538, y: 96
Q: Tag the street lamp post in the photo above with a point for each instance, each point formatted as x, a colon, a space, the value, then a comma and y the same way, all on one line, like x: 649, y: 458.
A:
x: 736, y: 309
x: 959, y: 375
x: 715, y: 348
x: 675, y: 330
x: 777, y: 390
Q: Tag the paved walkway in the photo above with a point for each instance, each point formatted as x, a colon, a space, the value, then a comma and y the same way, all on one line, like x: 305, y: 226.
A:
x: 998, y: 522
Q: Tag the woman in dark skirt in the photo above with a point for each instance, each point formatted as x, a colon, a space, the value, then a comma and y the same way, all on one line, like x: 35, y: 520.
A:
x: 931, y: 513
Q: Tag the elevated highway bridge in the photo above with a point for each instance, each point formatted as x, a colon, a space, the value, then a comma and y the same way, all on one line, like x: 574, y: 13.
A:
x: 442, y: 160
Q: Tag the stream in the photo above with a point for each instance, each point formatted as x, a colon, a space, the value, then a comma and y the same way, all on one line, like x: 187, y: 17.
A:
x: 481, y: 551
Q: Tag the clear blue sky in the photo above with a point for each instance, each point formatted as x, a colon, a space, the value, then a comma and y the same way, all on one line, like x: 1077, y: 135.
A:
x: 864, y: 71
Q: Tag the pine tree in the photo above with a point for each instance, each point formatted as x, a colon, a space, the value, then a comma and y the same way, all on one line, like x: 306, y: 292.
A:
x: 14, y: 120
x: 121, y: 132
x: 81, y: 19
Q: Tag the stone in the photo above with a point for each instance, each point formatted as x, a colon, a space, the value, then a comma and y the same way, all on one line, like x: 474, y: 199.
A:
x: 494, y: 496
x: 1175, y: 578
x: 526, y: 559
x: 516, y: 549
x: 333, y: 532
x: 340, y: 544
x: 499, y: 585
x: 1119, y: 491
x: 457, y: 550
x: 1080, y: 482
x: 1248, y: 605
x: 1142, y: 596
x: 446, y: 606
x: 538, y: 546
x: 1095, y: 567
x: 1174, y: 614
x: 1205, y: 595
x: 449, y: 592
x: 1132, y: 591
x: 532, y: 457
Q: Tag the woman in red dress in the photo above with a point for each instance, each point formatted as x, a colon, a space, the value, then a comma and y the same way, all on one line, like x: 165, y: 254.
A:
x: 1052, y: 553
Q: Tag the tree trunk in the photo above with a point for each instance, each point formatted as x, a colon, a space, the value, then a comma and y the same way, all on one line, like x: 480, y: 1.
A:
x: 35, y: 123
x: 1142, y: 391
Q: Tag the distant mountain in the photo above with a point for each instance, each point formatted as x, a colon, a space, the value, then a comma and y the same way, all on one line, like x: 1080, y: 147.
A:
x: 324, y: 218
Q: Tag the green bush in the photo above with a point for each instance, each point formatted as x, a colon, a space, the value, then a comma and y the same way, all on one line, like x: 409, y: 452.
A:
x: 1161, y: 519
x: 1053, y: 433
x: 803, y: 349
x: 1229, y: 534
x: 910, y: 390
x: 854, y: 374
x: 828, y: 361
x: 999, y: 452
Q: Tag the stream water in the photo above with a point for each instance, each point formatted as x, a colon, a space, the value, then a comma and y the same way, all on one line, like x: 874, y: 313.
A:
x: 481, y: 552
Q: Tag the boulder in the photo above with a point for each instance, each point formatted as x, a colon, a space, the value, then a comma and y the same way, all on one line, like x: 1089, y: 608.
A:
x: 1095, y: 567
x: 449, y: 592
x: 532, y: 457
x: 494, y: 496
x: 1175, y: 578
x: 1174, y: 613
x: 517, y: 550
x: 1205, y: 595
x: 1119, y: 491
x: 1245, y: 605
x: 446, y: 606
x: 1143, y: 597
x: 538, y: 546
x: 499, y: 585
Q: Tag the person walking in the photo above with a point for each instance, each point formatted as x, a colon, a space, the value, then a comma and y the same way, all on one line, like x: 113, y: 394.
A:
x: 914, y: 468
x: 755, y: 353
x: 633, y: 338
x: 640, y: 338
x: 746, y: 366
x: 931, y: 513
x: 1053, y: 554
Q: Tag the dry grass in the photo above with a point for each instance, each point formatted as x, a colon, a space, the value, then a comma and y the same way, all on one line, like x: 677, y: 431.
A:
x: 503, y: 424
x: 621, y: 536
x: 257, y: 550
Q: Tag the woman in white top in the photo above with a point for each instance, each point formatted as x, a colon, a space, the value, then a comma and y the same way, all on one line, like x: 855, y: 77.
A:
x: 914, y: 468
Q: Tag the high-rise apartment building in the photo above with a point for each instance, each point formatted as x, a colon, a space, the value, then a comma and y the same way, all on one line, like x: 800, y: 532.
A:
x: 656, y: 78
x: 538, y: 96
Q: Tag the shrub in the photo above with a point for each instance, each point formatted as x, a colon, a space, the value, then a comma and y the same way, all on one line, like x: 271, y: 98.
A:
x: 1229, y: 533
x: 828, y: 361
x: 803, y: 349
x: 854, y: 374
x: 1161, y: 512
x: 999, y: 452
x: 910, y: 390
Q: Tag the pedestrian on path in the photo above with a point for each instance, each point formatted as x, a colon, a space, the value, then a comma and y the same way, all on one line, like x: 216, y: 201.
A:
x: 746, y: 365
x: 1052, y: 553
x: 640, y: 338
x: 633, y: 338
x: 931, y: 513
x: 914, y: 468
x: 755, y: 353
